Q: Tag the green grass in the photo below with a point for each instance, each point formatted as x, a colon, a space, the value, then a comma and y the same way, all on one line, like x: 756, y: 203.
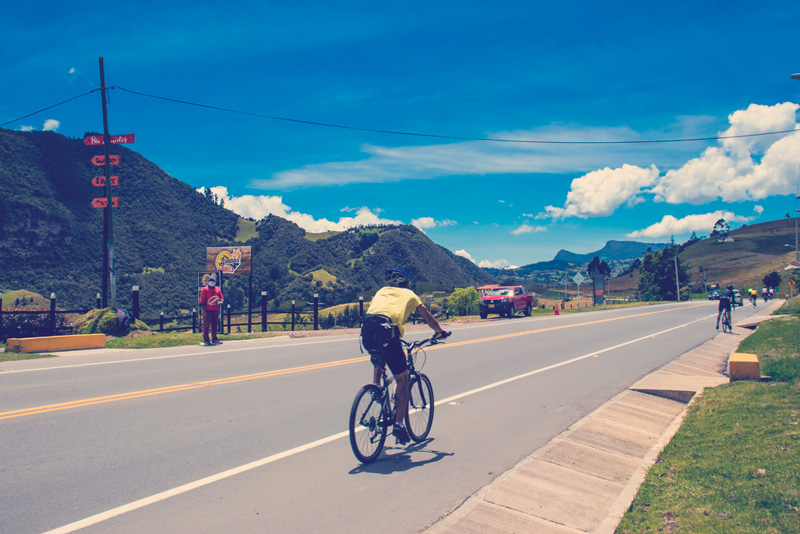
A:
x: 176, y: 339
x: 323, y: 276
x: 321, y: 235
x: 17, y: 356
x: 246, y: 229
x: 777, y: 345
x: 734, y: 465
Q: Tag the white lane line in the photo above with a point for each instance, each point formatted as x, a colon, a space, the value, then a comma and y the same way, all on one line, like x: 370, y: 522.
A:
x: 141, y: 503
x: 295, y: 343
x: 170, y: 356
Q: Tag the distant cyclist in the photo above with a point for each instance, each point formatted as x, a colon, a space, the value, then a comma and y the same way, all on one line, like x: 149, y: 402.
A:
x: 753, y: 296
x: 727, y: 301
x: 381, y: 330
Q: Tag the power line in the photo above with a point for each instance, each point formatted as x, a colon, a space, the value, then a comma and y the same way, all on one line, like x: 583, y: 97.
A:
x: 49, y: 107
x: 415, y: 134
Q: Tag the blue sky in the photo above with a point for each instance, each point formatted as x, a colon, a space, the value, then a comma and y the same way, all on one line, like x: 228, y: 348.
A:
x: 483, y: 72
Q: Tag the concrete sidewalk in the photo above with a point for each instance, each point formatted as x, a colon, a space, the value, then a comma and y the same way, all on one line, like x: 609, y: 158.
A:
x: 585, y: 479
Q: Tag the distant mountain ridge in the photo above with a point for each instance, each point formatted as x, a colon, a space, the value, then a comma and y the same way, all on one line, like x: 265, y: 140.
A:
x: 612, y: 251
x: 51, y: 237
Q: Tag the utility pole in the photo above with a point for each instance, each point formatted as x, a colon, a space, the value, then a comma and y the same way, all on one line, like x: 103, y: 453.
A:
x: 109, y: 276
x: 677, y: 282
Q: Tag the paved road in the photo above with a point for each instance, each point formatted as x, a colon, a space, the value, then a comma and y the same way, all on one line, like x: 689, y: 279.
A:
x: 251, y: 436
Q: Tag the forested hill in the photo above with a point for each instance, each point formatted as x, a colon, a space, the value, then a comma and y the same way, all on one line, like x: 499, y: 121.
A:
x: 612, y: 251
x: 51, y: 237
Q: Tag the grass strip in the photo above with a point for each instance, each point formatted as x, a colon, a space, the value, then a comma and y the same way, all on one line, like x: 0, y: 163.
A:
x: 734, y: 465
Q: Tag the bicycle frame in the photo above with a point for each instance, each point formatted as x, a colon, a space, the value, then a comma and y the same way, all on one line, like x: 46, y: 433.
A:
x: 373, y: 410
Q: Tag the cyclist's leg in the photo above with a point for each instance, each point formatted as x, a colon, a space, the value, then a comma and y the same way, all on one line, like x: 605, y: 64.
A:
x: 376, y: 376
x: 396, y: 360
x: 401, y: 396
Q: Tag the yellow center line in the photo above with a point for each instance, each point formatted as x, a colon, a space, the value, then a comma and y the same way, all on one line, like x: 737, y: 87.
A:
x: 560, y: 327
x: 278, y: 372
x: 170, y: 389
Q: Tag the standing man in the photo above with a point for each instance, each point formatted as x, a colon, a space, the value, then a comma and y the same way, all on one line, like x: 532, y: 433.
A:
x: 210, y: 301
x: 381, y: 330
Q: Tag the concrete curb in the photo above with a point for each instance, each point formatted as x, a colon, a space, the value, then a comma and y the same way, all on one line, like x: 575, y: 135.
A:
x: 56, y: 343
x: 585, y: 479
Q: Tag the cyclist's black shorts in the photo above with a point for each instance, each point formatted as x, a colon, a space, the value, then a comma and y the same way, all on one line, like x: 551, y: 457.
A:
x: 724, y: 305
x: 395, y: 356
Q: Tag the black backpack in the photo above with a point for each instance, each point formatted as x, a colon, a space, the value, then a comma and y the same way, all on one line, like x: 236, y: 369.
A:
x: 376, y: 333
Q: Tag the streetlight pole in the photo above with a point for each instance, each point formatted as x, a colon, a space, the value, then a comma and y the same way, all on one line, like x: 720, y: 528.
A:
x: 796, y: 76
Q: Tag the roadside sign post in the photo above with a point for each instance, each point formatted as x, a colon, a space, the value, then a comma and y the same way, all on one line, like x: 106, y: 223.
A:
x: 578, y: 279
x: 107, y: 181
x: 109, y: 274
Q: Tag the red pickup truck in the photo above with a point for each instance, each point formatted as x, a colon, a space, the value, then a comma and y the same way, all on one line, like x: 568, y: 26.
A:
x: 506, y: 300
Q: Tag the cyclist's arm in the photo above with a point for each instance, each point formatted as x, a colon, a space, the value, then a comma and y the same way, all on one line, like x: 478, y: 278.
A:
x: 430, y: 319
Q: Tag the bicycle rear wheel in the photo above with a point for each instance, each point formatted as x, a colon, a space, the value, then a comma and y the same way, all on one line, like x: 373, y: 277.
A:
x: 726, y: 321
x: 367, y: 430
x: 419, y: 418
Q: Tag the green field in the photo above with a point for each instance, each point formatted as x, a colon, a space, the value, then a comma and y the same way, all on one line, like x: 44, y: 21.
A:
x: 734, y: 465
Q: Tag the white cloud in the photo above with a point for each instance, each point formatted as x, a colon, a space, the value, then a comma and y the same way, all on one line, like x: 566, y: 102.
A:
x: 258, y: 207
x: 702, y: 223
x: 498, y: 264
x: 392, y: 164
x: 26, y: 128
x: 425, y: 223
x: 72, y: 70
x: 526, y: 228
x: 599, y: 193
x: 735, y: 170
x: 51, y: 125
x: 464, y: 254
x: 742, y: 169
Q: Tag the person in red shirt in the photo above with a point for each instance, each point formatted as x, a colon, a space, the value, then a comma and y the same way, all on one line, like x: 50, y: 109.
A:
x: 210, y: 301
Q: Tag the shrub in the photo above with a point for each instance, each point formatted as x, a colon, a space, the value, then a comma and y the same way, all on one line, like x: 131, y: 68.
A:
x: 464, y: 301
x: 105, y: 322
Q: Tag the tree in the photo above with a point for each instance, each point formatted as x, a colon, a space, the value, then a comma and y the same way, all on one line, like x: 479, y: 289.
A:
x: 599, y: 267
x: 657, y: 275
x: 720, y: 228
x: 464, y: 301
x: 773, y: 280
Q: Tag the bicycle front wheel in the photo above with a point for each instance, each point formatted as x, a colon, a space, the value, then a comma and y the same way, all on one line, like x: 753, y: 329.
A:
x: 726, y: 321
x: 419, y: 417
x: 367, y: 430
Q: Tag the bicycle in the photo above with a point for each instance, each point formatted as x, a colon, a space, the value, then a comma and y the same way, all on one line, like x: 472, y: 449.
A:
x: 726, y: 321
x: 373, y: 410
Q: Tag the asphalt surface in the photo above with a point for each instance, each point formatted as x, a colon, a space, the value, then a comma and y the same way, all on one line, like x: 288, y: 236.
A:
x: 585, y: 479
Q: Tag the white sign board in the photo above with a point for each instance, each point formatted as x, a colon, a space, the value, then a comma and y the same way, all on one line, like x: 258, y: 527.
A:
x: 578, y: 278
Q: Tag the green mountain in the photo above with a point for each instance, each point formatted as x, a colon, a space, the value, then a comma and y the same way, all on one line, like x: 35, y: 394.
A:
x: 51, y: 237
x: 612, y: 251
x: 618, y: 254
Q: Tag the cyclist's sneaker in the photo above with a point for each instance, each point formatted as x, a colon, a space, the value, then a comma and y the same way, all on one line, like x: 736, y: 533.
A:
x: 216, y: 342
x: 401, y: 434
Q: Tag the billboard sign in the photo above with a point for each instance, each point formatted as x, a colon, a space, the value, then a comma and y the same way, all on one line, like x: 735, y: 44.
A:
x: 230, y: 261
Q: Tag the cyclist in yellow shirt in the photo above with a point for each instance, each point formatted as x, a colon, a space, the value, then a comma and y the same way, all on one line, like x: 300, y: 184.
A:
x: 381, y: 330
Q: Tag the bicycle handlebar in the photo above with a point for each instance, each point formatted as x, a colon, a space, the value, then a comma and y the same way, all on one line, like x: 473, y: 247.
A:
x: 433, y: 340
